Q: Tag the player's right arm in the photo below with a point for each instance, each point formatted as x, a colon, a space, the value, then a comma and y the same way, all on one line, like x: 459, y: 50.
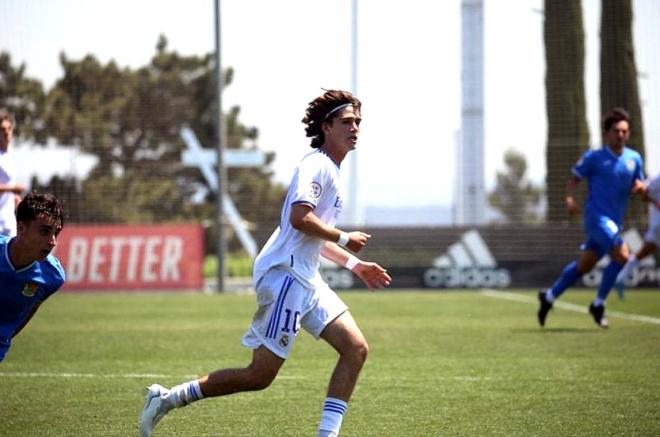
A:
x: 16, y: 188
x: 303, y: 219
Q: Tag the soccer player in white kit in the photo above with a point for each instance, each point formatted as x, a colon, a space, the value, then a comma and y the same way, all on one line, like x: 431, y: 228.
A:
x: 651, y: 238
x: 290, y: 291
x: 10, y: 188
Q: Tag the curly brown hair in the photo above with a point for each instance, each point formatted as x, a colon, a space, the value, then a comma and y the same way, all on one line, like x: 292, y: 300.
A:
x: 36, y: 205
x: 324, y: 109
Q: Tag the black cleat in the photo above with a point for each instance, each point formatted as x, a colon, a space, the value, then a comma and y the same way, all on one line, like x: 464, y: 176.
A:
x: 598, y: 312
x: 544, y: 308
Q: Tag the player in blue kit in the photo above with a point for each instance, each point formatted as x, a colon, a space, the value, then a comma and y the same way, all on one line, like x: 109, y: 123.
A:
x: 614, y: 172
x: 29, y: 273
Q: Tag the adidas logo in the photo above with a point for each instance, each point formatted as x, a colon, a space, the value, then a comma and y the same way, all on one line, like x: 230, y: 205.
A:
x: 467, y: 263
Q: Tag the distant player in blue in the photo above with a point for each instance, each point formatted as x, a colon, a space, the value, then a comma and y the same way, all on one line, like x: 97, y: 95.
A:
x: 29, y: 274
x: 614, y: 172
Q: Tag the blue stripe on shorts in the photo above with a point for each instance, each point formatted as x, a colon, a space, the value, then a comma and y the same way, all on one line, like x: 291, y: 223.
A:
x: 275, y: 316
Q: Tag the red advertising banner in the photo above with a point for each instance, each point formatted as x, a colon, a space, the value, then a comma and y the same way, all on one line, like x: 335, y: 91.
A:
x: 132, y: 257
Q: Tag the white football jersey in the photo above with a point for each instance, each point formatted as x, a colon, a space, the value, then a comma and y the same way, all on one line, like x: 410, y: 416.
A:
x: 653, y: 189
x: 316, y: 183
x: 7, y: 208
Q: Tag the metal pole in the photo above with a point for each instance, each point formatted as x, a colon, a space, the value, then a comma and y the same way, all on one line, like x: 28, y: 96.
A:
x: 354, y: 215
x: 354, y: 46
x: 222, y: 175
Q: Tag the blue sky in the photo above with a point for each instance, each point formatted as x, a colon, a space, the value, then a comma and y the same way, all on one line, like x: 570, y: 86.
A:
x: 284, y: 52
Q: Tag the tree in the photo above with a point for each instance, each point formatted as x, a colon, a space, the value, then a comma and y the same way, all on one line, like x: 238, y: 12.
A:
x: 618, y: 78
x: 514, y: 196
x: 24, y: 98
x: 131, y: 119
x: 568, y: 134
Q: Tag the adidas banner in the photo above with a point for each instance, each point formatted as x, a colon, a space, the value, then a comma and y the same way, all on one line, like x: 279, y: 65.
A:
x: 489, y: 257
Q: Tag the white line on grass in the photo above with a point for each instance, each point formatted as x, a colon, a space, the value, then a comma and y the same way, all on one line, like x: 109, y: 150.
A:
x: 567, y: 306
x: 107, y: 376
x: 90, y: 375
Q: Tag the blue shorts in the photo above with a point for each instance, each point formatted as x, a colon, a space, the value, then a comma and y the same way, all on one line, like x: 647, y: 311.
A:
x: 603, y: 234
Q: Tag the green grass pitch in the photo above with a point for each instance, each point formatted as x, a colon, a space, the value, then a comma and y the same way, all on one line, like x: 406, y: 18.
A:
x: 442, y: 363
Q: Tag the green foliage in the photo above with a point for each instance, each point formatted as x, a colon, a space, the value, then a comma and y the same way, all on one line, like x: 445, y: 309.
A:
x: 618, y: 81
x: 514, y: 196
x: 441, y: 364
x: 24, y: 98
x: 130, y: 121
x: 568, y: 132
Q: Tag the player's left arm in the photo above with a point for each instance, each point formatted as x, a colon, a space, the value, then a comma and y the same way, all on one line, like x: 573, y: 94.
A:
x: 639, y: 186
x: 55, y: 284
x: 27, y: 319
x: 372, y: 274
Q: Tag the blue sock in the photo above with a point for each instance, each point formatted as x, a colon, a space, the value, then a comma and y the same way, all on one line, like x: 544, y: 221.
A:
x: 609, y: 276
x: 568, y: 277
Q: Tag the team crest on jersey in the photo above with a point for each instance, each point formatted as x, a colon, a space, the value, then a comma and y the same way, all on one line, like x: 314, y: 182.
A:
x: 29, y: 289
x: 315, y: 190
x: 284, y: 341
x: 630, y: 165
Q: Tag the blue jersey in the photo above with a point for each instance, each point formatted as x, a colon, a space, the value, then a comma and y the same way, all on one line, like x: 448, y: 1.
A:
x: 611, y: 178
x: 22, y: 289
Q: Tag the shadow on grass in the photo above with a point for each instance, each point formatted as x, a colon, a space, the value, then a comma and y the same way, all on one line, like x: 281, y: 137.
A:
x: 556, y: 331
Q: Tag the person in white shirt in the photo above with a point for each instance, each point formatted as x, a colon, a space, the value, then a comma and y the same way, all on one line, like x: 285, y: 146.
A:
x: 290, y: 291
x: 10, y: 189
x: 651, y: 238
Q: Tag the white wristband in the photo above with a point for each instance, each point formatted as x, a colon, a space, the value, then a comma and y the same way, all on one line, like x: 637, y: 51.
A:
x: 351, y: 262
x: 343, y: 239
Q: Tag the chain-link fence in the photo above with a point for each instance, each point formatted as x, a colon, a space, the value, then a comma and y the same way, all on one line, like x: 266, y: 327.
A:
x: 129, y: 147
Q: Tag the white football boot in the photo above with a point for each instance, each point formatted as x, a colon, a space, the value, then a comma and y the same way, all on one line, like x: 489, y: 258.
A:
x: 153, y: 410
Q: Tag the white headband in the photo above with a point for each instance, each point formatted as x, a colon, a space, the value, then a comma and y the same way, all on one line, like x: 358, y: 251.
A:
x: 338, y: 108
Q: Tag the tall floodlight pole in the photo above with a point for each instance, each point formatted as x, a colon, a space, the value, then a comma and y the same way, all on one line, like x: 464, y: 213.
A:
x: 353, y: 210
x: 471, y: 200
x: 222, y: 174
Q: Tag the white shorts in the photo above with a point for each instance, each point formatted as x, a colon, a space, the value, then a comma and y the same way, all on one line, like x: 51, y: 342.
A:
x: 653, y: 234
x: 284, y: 306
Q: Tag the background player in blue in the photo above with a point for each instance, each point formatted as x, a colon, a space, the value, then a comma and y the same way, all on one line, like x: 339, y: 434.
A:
x: 614, y: 172
x: 29, y: 274
x: 291, y: 294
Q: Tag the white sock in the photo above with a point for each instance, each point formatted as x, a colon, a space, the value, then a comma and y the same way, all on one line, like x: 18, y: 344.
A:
x: 598, y: 302
x: 183, y: 394
x: 331, y: 417
x: 549, y: 296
